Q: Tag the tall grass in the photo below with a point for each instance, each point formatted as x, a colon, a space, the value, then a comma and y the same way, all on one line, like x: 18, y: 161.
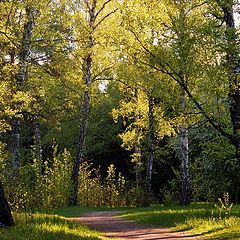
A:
x: 47, y: 227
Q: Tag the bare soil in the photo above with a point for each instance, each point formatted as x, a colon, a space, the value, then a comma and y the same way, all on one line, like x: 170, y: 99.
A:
x: 113, y: 226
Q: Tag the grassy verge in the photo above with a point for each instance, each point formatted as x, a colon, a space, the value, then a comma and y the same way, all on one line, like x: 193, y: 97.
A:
x: 78, y: 211
x: 202, y: 219
x: 47, y: 227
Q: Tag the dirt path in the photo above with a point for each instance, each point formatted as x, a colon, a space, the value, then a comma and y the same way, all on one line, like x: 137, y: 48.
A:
x: 113, y: 226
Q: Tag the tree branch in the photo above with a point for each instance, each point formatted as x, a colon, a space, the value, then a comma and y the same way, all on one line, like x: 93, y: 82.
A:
x: 105, y: 17
x: 184, y: 86
x: 6, y: 35
x: 101, y: 72
x: 102, y: 8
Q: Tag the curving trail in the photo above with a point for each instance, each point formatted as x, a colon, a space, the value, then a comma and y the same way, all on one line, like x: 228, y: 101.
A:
x: 113, y: 226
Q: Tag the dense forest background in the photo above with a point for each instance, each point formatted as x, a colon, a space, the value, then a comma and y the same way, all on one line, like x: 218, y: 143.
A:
x: 119, y: 103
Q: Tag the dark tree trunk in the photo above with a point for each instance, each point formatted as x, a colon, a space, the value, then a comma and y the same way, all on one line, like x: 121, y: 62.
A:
x: 37, y: 138
x: 5, y: 213
x: 233, y: 62
x: 151, y: 143
x: 139, y: 187
x: 15, y: 143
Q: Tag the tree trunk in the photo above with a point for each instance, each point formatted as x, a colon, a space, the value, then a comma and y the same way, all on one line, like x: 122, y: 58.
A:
x: 83, y: 129
x: 91, y: 19
x: 21, y: 77
x: 6, y: 219
x: 15, y: 143
x: 185, y: 191
x: 37, y: 138
x: 151, y: 144
x: 234, y: 84
x: 137, y: 153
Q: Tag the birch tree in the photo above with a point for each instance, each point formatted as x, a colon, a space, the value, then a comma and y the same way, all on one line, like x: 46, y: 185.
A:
x: 93, y: 15
x: 179, y: 42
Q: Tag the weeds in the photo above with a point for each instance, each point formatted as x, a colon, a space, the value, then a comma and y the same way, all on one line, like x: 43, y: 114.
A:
x: 224, y: 208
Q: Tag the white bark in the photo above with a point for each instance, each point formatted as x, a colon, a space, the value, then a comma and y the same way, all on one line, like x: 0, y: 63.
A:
x: 21, y: 77
x: 87, y: 69
x: 184, y: 156
x: 151, y: 144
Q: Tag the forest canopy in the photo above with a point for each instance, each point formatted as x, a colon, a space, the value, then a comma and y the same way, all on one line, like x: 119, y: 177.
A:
x: 119, y: 103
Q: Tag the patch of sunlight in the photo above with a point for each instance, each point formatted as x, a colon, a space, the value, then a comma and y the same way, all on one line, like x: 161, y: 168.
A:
x: 80, y: 231
x: 213, y: 228
x: 47, y: 227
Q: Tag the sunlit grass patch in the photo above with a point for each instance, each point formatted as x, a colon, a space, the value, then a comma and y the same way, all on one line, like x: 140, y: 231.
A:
x: 47, y: 227
x: 218, y: 228
x: 202, y: 219
x: 168, y: 216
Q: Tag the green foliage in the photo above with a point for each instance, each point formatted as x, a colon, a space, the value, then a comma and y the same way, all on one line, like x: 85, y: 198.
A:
x: 57, y: 180
x: 29, y: 188
x: 147, y: 48
x: 114, y: 188
x: 225, y: 207
x: 213, y: 167
x: 113, y: 191
x: 90, y: 188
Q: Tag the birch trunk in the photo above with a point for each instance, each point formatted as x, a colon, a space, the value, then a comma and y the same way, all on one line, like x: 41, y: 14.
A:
x: 87, y: 68
x: 137, y: 152
x: 21, y: 78
x: 6, y: 219
x: 82, y: 134
x: 151, y: 144
x: 185, y: 191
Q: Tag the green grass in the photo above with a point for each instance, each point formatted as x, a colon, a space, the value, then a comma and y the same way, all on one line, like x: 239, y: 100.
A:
x: 47, y: 227
x: 73, y: 211
x: 78, y: 211
x: 196, y: 218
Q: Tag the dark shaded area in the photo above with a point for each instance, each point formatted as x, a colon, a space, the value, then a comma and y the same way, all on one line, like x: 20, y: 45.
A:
x: 5, y: 213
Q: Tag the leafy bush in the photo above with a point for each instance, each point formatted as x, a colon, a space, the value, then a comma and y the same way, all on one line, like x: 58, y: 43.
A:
x: 28, y: 188
x: 94, y: 192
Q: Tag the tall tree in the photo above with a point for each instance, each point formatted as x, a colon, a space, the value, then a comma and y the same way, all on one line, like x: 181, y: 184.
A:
x: 148, y: 36
x: 94, y: 14
x: 184, y: 156
x: 21, y: 77
x: 151, y: 137
x: 232, y: 64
